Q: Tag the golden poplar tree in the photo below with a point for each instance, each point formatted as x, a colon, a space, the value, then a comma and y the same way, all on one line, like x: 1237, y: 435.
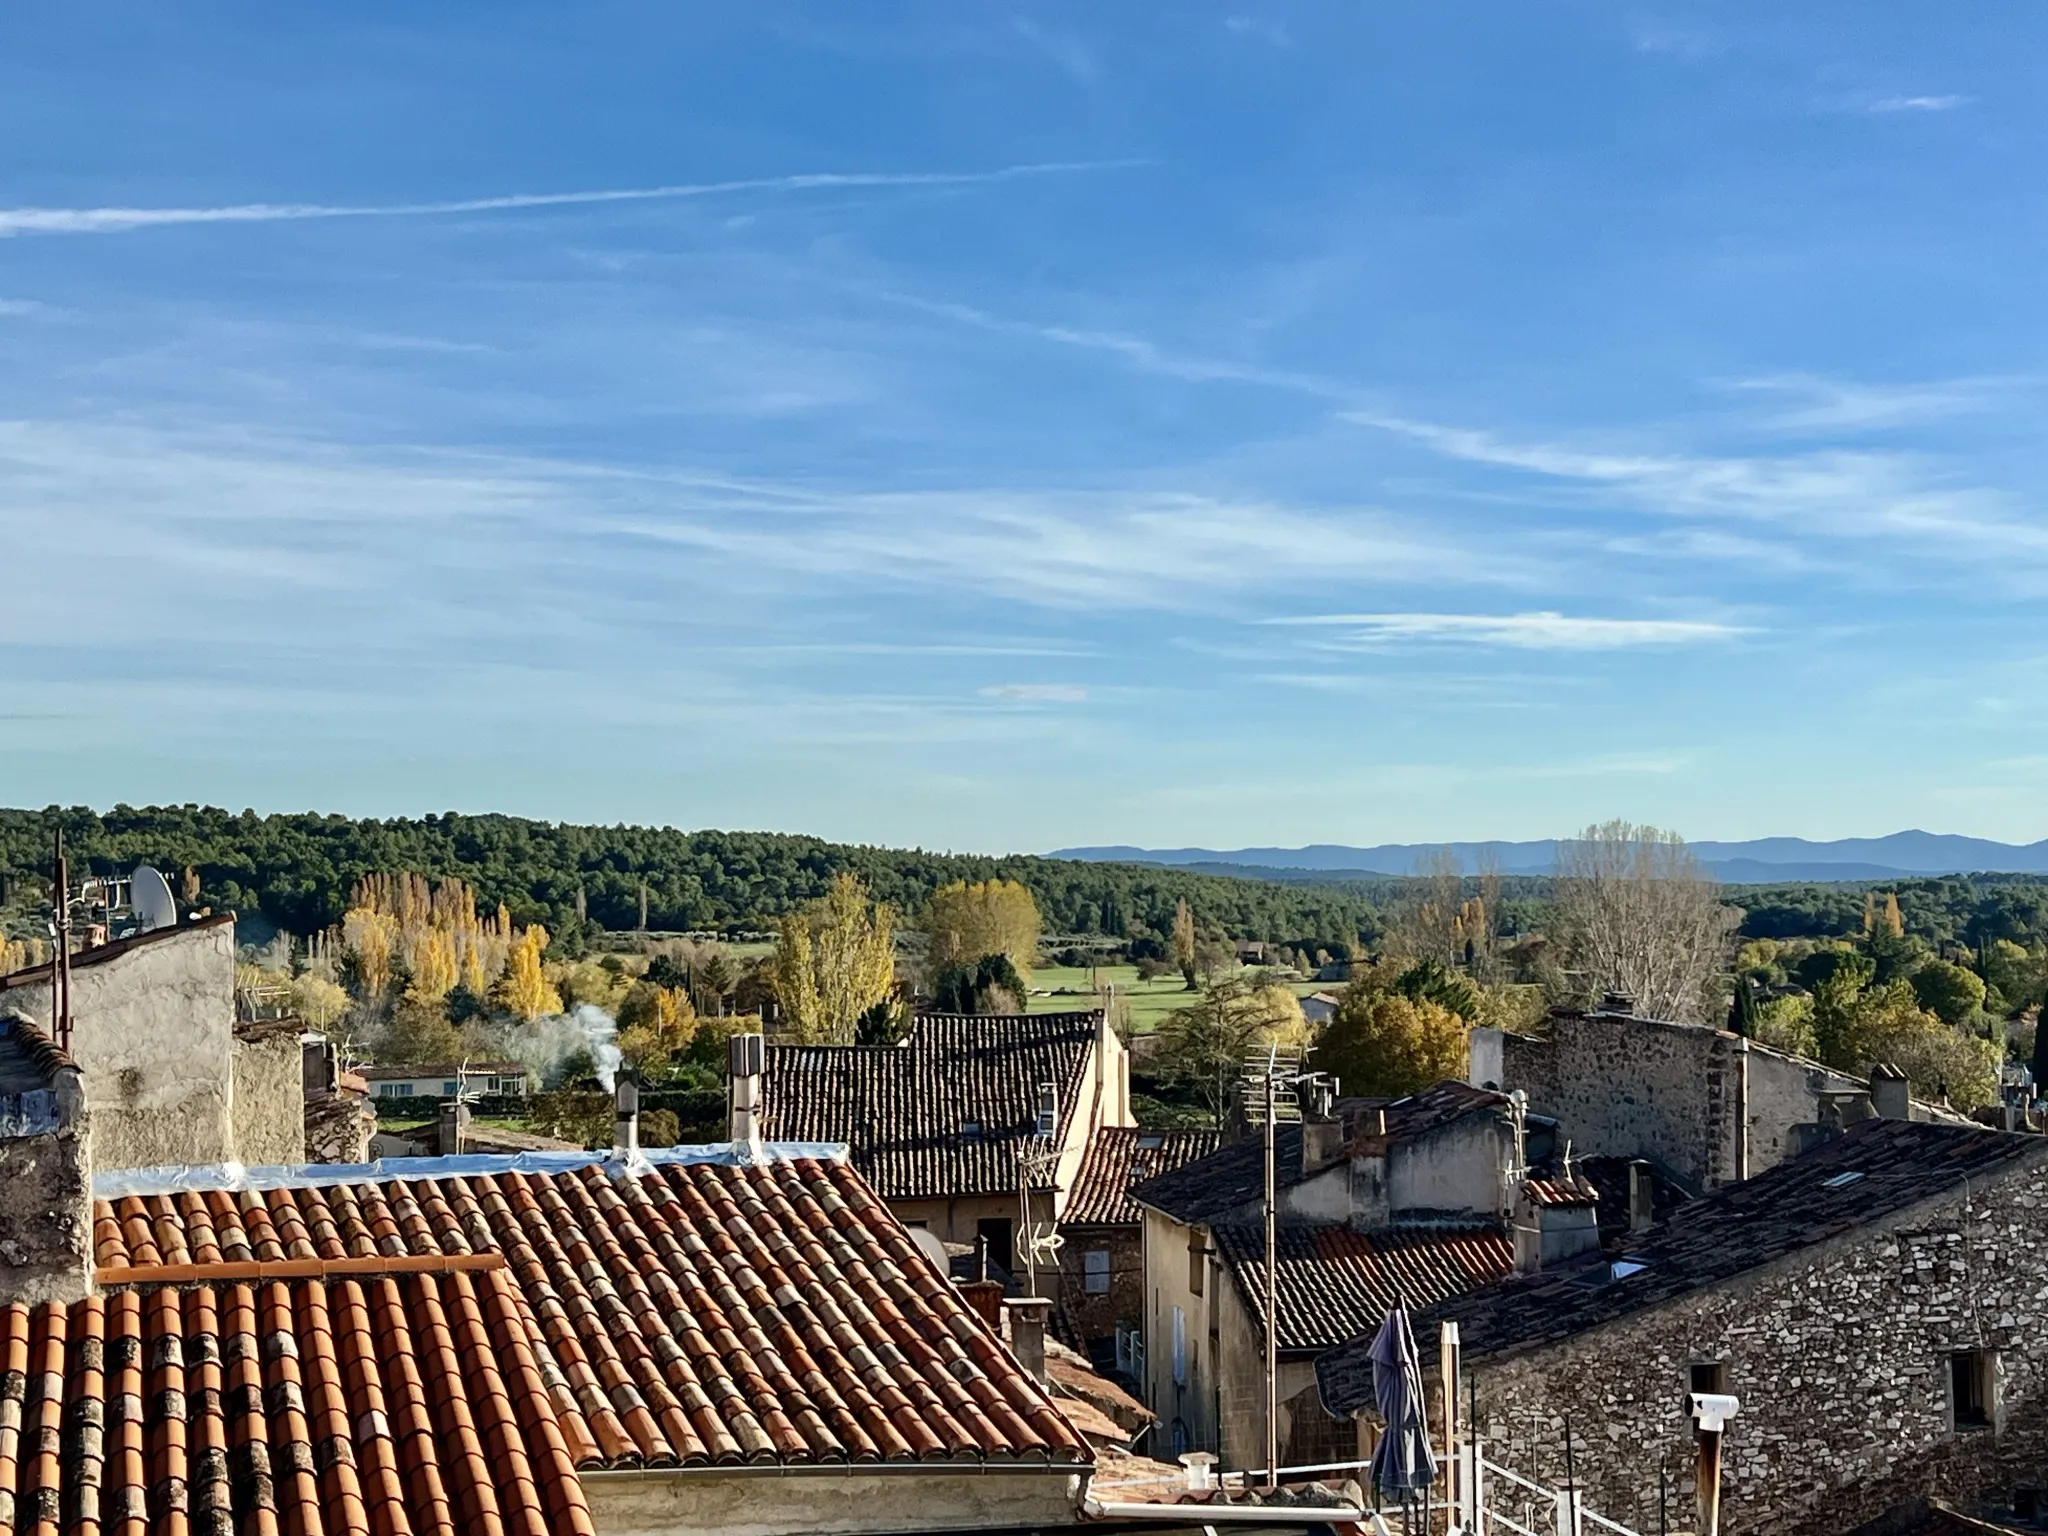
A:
x: 835, y: 960
x: 966, y: 922
x: 525, y: 989
x: 1185, y: 949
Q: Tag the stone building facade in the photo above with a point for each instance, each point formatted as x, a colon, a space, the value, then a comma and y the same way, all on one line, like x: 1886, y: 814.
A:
x: 1707, y: 1106
x: 1879, y: 1306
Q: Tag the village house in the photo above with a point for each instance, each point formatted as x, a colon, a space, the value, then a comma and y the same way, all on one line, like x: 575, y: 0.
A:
x: 1102, y: 1255
x: 1706, y: 1106
x: 1876, y: 1305
x: 955, y: 1124
x: 172, y: 1075
x: 1377, y: 1199
x: 445, y: 1080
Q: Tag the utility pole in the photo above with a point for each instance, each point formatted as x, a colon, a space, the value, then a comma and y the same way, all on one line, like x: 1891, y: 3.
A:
x: 60, y: 967
x: 1272, y: 1275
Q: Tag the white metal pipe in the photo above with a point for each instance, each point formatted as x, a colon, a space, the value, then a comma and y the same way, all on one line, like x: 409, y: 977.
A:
x: 1225, y: 1514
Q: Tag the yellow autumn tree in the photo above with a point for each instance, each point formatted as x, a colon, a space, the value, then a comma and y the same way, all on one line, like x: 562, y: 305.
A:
x: 835, y: 960
x: 1384, y: 1042
x: 524, y: 989
x: 21, y: 954
x: 964, y: 922
x: 433, y: 968
x: 656, y: 1024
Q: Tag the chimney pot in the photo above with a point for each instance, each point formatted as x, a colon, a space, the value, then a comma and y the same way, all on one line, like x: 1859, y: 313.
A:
x: 1642, y: 1203
x: 626, y: 1129
x: 746, y: 1056
x: 450, y: 1125
x: 1027, y: 1332
x: 1891, y: 1095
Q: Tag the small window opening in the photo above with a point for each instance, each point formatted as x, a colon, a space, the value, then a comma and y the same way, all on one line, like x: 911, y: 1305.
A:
x: 1708, y: 1376
x: 1972, y: 1387
x: 1197, y: 1264
x: 1095, y: 1271
x: 1151, y: 1141
x: 970, y: 1130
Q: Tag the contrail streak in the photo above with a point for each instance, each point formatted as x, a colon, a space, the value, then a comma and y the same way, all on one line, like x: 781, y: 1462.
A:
x: 111, y: 221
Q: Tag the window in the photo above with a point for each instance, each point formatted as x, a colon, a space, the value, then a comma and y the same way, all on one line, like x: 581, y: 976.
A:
x: 1709, y: 1376
x: 1151, y: 1141
x: 1197, y: 1257
x: 1095, y: 1272
x: 394, y: 1090
x: 1973, y: 1388
x: 448, y: 1090
x: 970, y: 1130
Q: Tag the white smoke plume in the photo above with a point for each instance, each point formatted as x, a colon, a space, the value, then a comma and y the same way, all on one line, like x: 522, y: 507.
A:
x: 549, y: 1045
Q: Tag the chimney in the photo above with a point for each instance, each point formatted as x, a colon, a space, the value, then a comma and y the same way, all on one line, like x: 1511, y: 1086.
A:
x: 746, y: 1055
x: 1890, y: 1093
x: 1528, y: 1234
x: 45, y: 1171
x: 1642, y: 1197
x: 626, y: 1120
x: 984, y: 1298
x: 1322, y: 1133
x: 319, y: 1071
x: 450, y: 1127
x: 1486, y: 1058
x: 1027, y: 1332
x: 1622, y: 1003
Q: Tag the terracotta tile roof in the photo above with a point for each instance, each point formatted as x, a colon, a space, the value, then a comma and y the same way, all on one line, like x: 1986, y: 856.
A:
x: 1333, y: 1283
x: 1560, y: 1191
x: 1878, y: 1168
x: 1120, y: 1156
x: 1213, y: 1188
x: 701, y: 1312
x: 900, y: 1110
x: 385, y: 1403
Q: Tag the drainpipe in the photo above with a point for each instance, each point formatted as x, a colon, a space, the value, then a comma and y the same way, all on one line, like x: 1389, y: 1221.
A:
x: 1711, y: 1412
x: 1741, y: 1110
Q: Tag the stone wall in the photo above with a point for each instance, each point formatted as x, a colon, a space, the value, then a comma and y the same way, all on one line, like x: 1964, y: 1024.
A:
x: 1621, y: 1086
x: 269, y: 1094
x: 1095, y: 1315
x: 716, y: 1501
x: 1840, y: 1357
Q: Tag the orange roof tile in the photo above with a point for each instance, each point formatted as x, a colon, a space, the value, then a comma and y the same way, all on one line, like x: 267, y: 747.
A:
x: 700, y: 1312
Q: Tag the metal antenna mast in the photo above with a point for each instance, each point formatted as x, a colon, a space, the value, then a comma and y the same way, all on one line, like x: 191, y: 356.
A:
x: 1272, y: 1078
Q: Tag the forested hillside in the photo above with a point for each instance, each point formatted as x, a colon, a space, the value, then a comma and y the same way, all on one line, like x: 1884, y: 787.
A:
x: 297, y: 870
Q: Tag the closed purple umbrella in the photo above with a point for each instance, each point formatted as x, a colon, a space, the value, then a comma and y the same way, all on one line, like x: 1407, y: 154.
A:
x: 1403, y: 1463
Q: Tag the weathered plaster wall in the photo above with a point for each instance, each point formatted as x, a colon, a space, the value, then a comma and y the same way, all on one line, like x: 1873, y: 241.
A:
x: 269, y: 1095
x: 1840, y: 1359
x: 685, y: 1503
x: 1457, y: 1168
x: 153, y: 1035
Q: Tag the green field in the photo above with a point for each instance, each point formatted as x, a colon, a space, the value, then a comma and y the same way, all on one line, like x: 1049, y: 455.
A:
x: 1056, y: 988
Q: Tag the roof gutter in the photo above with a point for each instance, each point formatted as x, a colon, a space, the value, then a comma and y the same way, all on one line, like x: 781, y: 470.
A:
x: 977, y: 1468
x: 1226, y: 1514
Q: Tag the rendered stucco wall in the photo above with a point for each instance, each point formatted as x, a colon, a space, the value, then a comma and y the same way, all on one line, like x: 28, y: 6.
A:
x: 269, y: 1097
x: 153, y: 1036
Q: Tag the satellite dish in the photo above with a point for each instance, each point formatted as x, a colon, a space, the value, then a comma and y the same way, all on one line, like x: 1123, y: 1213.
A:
x: 154, y: 907
x: 931, y: 1248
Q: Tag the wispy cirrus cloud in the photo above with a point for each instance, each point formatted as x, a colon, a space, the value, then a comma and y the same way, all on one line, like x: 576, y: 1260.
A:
x: 1887, y: 104
x: 1524, y: 631
x: 1037, y: 693
x: 109, y: 221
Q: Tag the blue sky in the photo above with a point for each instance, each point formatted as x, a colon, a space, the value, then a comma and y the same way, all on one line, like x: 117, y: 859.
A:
x: 1006, y: 426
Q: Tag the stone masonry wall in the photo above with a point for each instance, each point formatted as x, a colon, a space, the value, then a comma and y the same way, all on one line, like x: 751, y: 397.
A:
x: 269, y: 1095
x: 1841, y: 1360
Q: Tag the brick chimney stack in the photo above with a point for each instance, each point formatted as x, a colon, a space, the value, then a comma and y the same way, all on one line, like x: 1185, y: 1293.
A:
x: 1642, y: 1203
x: 1027, y: 1332
x: 45, y: 1170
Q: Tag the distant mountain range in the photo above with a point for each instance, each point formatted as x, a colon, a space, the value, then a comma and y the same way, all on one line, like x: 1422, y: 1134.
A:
x: 1761, y: 861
